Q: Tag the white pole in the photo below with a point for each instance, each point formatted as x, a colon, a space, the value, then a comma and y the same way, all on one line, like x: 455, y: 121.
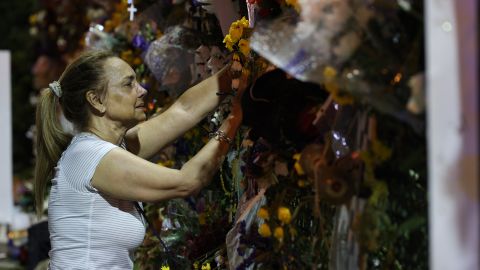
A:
x: 452, y: 117
x: 6, y: 174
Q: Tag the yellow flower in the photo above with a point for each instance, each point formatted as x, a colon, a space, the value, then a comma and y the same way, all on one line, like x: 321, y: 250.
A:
x: 127, y: 56
x: 32, y: 19
x: 165, y: 267
x: 137, y: 61
x: 244, y: 22
x: 284, y: 215
x: 293, y: 3
x: 206, y: 266
x: 329, y: 72
x: 236, y: 31
x: 278, y: 233
x: 236, y: 57
x: 227, y: 39
x: 263, y: 213
x: 244, y: 46
x: 195, y: 265
x: 301, y: 183
x: 264, y: 230
x: 202, y: 219
x: 298, y: 168
x: 331, y: 85
x: 228, y: 42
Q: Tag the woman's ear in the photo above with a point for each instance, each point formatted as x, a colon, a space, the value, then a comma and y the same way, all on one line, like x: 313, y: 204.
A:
x: 95, y: 101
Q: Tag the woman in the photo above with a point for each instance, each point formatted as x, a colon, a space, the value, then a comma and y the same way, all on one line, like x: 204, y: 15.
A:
x: 98, y: 174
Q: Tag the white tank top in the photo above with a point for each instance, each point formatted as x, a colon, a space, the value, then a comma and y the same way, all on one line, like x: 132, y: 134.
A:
x: 88, y: 229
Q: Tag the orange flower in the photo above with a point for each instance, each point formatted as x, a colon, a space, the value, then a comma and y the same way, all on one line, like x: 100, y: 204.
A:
x: 264, y: 230
x: 284, y: 215
x: 278, y: 233
x: 263, y: 213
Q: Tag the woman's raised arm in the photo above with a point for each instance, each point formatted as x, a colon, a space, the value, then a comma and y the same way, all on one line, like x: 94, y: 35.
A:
x: 149, y: 137
x: 123, y: 175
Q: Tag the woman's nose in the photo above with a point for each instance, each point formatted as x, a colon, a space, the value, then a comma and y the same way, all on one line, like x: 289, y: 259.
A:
x: 142, y: 91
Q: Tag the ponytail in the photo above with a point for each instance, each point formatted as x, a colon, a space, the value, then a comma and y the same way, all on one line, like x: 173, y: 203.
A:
x: 83, y: 74
x: 51, y: 142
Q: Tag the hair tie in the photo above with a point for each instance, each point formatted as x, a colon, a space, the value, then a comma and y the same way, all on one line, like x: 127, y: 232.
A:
x: 56, y: 88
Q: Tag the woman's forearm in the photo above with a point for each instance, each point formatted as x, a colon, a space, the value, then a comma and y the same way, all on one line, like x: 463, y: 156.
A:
x: 201, y: 168
x: 202, y: 98
x: 147, y: 138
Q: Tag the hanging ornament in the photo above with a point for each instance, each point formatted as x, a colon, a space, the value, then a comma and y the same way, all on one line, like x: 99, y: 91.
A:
x: 131, y: 9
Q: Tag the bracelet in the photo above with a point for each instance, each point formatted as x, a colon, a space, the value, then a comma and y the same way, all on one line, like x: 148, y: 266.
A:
x: 226, y: 93
x: 220, y: 136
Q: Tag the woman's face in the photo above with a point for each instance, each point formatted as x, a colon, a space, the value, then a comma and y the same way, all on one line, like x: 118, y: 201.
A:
x: 124, y: 96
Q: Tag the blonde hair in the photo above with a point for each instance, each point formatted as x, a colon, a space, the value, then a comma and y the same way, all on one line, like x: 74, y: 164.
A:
x: 83, y: 74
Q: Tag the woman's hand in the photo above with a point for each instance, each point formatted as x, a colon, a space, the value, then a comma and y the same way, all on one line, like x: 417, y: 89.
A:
x: 243, y: 82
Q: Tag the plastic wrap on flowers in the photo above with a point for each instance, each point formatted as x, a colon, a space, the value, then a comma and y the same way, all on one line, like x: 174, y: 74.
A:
x: 327, y: 32
x: 171, y: 58
x: 342, y: 44
x: 97, y: 39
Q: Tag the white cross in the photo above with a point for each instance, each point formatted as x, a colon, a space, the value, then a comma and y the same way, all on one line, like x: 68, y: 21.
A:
x: 132, y: 11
